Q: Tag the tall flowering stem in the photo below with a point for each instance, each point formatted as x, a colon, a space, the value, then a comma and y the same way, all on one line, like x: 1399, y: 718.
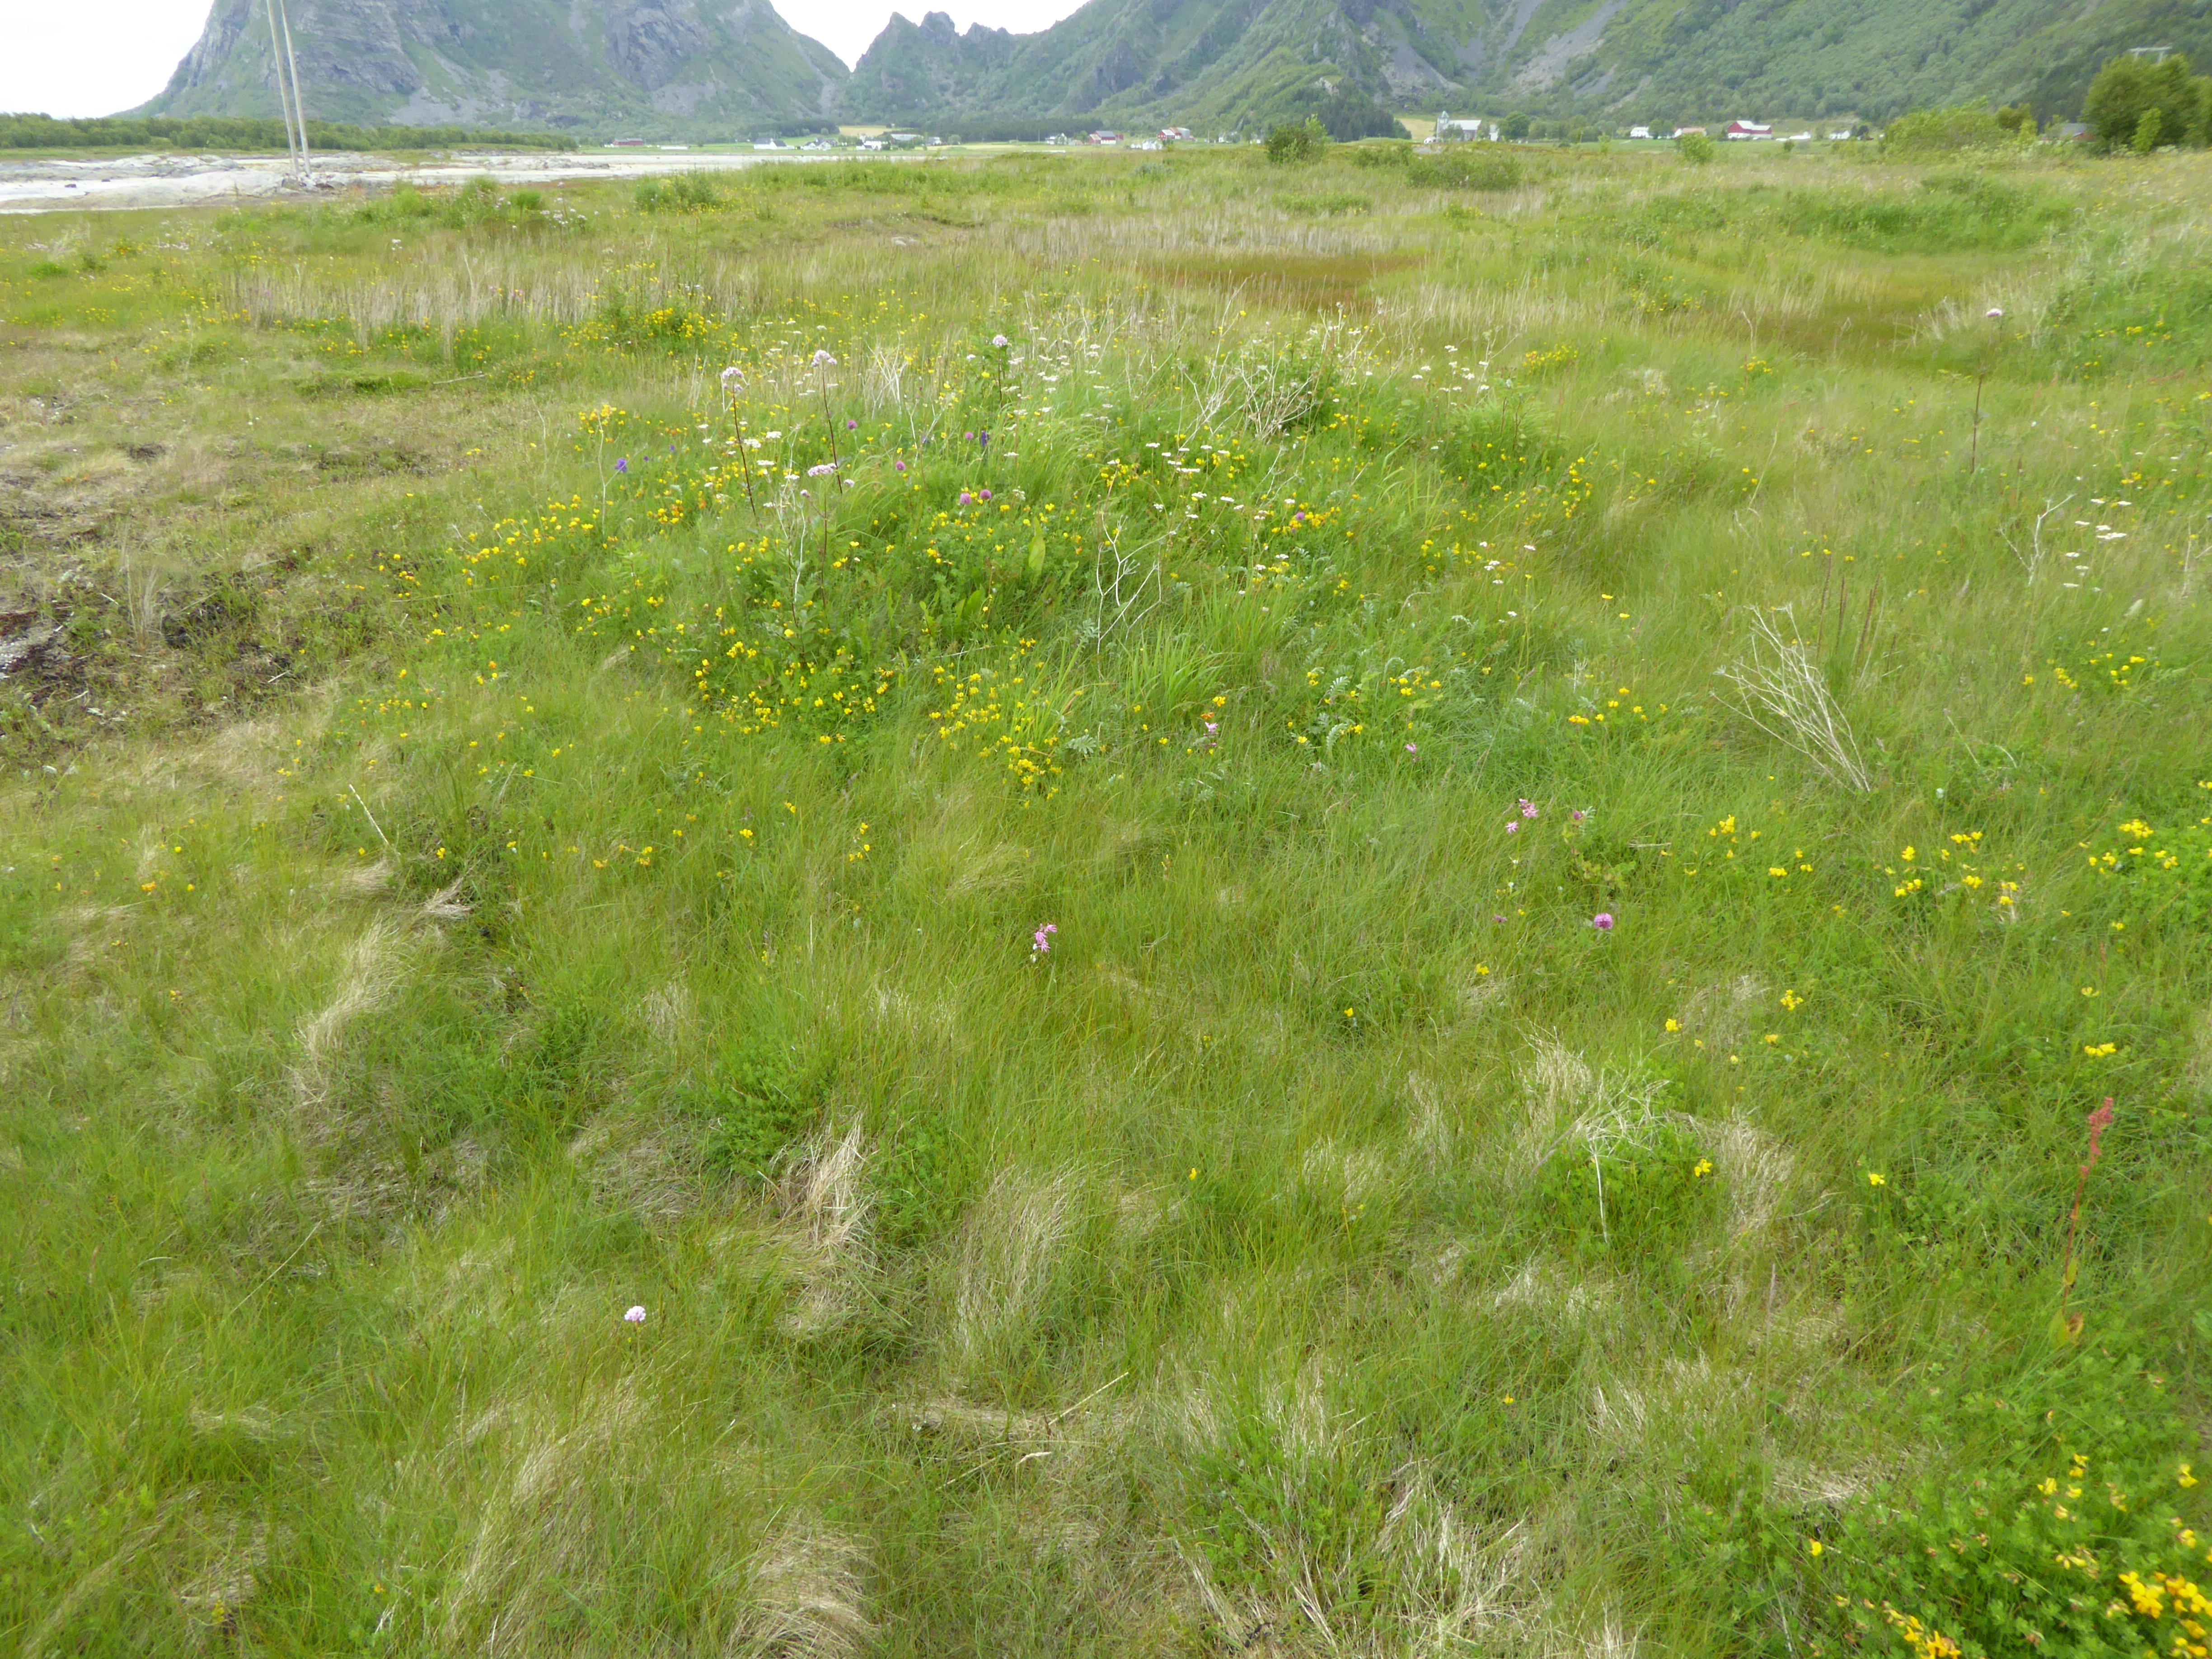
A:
x: 733, y: 382
x: 2064, y: 1328
x: 824, y: 362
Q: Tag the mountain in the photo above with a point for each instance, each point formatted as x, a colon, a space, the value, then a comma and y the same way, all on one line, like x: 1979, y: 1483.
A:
x: 1207, y: 63
x: 1242, y: 63
x: 649, y: 67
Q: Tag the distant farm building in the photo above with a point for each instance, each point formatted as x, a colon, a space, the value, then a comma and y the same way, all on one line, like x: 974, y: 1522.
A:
x: 1741, y: 131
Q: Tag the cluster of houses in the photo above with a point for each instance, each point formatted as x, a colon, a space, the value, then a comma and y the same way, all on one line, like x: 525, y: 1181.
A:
x: 1107, y: 138
x: 1454, y: 131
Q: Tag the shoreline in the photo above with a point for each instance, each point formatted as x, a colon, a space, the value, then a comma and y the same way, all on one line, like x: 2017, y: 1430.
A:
x: 159, y: 180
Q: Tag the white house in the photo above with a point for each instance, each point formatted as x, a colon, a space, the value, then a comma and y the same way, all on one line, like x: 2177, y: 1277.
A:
x: 1449, y: 131
x: 1640, y: 132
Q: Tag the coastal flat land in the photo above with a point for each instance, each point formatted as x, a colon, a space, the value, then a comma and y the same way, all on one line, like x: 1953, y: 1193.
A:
x: 1112, y: 904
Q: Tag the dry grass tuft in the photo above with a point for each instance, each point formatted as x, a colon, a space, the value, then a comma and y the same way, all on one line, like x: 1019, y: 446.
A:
x: 1781, y: 690
x: 825, y: 1209
x: 374, y: 965
x: 807, y: 1591
x: 1005, y: 1263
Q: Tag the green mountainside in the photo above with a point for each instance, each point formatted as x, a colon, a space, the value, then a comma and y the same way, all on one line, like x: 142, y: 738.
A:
x: 729, y: 67
x: 652, y: 67
x: 1244, y: 63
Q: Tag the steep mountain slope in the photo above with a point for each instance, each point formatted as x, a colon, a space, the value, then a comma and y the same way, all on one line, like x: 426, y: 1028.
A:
x: 1205, y: 63
x: 1241, y: 63
x: 649, y: 66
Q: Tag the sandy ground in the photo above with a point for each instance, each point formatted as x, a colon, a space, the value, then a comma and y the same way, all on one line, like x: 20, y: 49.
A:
x: 159, y: 181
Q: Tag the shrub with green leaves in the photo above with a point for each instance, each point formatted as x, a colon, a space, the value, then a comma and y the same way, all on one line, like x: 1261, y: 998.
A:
x: 1945, y: 132
x: 1298, y: 141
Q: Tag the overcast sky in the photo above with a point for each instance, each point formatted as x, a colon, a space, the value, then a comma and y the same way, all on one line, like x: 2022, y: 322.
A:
x: 97, y: 57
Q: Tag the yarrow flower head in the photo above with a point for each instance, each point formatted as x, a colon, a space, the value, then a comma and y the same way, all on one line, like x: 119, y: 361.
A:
x: 1996, y: 313
x: 732, y: 377
x: 1602, y: 921
x: 817, y: 471
x: 823, y: 360
x: 634, y: 1317
x: 1041, y: 941
x: 1000, y: 341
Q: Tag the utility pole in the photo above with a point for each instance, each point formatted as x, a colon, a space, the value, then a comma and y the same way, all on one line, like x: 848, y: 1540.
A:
x: 299, y: 106
x: 283, y: 99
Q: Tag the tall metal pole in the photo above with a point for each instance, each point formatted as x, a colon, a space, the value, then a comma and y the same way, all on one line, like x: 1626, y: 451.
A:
x: 299, y: 106
x: 283, y: 99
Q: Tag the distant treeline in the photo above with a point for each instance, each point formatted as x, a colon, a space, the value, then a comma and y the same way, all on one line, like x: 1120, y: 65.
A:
x: 248, y: 132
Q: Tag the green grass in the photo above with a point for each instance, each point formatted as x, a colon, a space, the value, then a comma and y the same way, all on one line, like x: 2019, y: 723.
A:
x: 474, y: 867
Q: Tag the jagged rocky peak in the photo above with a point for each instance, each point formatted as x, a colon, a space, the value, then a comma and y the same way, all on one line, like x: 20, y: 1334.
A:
x: 674, y: 65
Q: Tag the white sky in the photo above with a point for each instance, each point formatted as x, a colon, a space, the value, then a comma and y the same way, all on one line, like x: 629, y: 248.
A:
x: 97, y: 57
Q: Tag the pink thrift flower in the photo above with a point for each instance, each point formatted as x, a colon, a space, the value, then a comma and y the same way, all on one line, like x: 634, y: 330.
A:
x: 1602, y: 921
x: 634, y: 1317
x: 965, y: 498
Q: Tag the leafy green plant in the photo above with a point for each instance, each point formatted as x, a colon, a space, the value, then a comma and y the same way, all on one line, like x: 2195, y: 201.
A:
x: 1467, y: 167
x: 1294, y: 141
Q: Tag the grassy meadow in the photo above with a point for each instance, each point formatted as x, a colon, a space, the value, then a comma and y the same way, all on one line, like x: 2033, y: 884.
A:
x: 1074, y: 904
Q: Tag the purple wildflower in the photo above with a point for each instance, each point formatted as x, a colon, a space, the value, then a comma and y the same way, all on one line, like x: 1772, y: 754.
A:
x: 1602, y: 921
x: 732, y: 377
x: 1041, y: 941
x: 817, y: 471
x: 634, y: 1317
x: 1578, y: 815
x: 852, y: 426
x: 984, y: 494
x: 1000, y: 341
x: 622, y: 465
x: 969, y: 436
x: 1512, y: 826
x: 965, y: 498
x: 1410, y: 750
x: 901, y: 465
x: 1499, y: 920
x: 823, y: 360
x: 1528, y: 809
